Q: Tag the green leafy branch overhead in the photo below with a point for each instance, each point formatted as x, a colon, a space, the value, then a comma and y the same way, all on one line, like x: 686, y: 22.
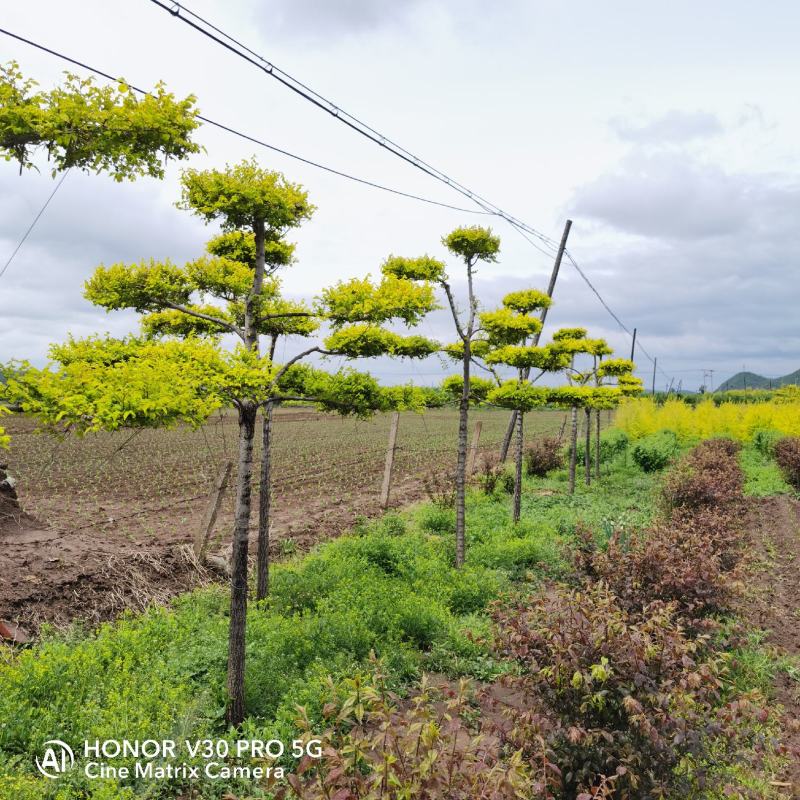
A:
x: 94, y: 128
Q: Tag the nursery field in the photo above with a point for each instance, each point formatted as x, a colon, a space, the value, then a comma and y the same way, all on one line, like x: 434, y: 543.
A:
x: 113, y: 513
x: 633, y: 639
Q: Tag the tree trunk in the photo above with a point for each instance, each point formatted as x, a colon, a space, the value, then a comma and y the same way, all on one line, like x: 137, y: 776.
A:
x: 573, y: 448
x: 597, y: 446
x: 587, y: 450
x: 241, y: 532
x: 262, y: 576
x: 518, y: 465
x: 248, y: 411
x: 509, y: 434
x: 461, y: 462
x: 250, y: 306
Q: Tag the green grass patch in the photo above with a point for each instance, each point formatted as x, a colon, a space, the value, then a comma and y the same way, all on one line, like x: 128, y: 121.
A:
x: 762, y: 476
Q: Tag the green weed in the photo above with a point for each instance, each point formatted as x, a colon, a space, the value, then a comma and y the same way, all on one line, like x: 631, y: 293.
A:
x: 763, y: 477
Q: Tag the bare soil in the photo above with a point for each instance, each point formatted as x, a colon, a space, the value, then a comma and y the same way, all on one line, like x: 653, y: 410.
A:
x: 107, y: 521
x: 774, y: 525
x: 56, y: 575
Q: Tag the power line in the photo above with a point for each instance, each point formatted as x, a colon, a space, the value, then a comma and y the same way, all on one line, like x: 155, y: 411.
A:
x: 248, y: 137
x: 33, y: 224
x: 550, y: 253
x: 611, y: 312
x: 600, y: 297
x: 236, y: 47
x: 353, y: 122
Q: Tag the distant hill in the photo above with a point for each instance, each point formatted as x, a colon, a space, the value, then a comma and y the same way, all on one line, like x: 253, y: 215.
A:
x: 749, y: 380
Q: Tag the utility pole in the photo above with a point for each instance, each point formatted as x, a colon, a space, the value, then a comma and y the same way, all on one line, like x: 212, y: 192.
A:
x: 512, y: 423
x: 633, y: 344
x: 655, y: 364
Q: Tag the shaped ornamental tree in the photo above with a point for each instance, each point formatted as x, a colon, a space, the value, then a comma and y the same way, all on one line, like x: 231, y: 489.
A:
x: 472, y: 246
x: 618, y: 372
x: 586, y: 390
x: 511, y: 331
x: 94, y: 128
x: 234, y: 290
x: 573, y: 343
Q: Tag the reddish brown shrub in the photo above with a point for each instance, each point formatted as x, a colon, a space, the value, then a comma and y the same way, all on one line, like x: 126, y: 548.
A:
x: 688, y: 557
x: 720, y: 446
x: 708, y: 476
x: 381, y: 748
x: 614, y: 699
x: 787, y: 454
x: 669, y: 563
x: 491, y: 472
x: 584, y: 551
x: 719, y: 527
x: 543, y: 456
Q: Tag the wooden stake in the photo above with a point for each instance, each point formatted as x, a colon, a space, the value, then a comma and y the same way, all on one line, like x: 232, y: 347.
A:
x: 573, y: 448
x: 214, y: 499
x: 473, y: 449
x: 390, y: 451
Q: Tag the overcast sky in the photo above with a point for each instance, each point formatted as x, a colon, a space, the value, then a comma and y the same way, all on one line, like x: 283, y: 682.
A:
x: 667, y: 131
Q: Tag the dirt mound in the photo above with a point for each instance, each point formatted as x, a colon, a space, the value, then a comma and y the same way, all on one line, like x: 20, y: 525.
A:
x: 56, y: 577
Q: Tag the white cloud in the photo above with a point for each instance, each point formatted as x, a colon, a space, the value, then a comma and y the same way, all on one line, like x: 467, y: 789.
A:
x: 674, y: 126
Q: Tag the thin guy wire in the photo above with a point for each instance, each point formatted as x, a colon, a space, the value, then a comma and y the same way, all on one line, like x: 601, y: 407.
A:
x: 33, y: 224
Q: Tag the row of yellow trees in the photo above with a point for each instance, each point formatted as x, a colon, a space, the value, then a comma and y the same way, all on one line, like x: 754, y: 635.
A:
x: 178, y: 368
x: 707, y: 419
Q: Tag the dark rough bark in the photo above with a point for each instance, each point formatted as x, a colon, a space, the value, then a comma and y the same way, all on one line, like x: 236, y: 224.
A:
x: 573, y: 448
x: 241, y: 532
x: 518, y: 466
x: 248, y: 411
x: 264, y: 499
x: 587, y: 450
x: 597, y: 446
x: 461, y: 463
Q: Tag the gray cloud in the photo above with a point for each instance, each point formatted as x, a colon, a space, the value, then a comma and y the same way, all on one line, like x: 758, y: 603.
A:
x: 711, y: 279
x: 698, y: 254
x: 312, y: 19
x: 670, y: 196
x: 673, y: 127
x: 91, y: 220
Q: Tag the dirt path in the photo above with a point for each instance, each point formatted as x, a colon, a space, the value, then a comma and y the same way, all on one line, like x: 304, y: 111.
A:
x: 775, y: 531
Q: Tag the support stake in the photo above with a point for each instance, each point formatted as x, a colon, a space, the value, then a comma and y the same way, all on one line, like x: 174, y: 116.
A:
x: 390, y: 451
x: 214, y: 499
x: 473, y: 449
